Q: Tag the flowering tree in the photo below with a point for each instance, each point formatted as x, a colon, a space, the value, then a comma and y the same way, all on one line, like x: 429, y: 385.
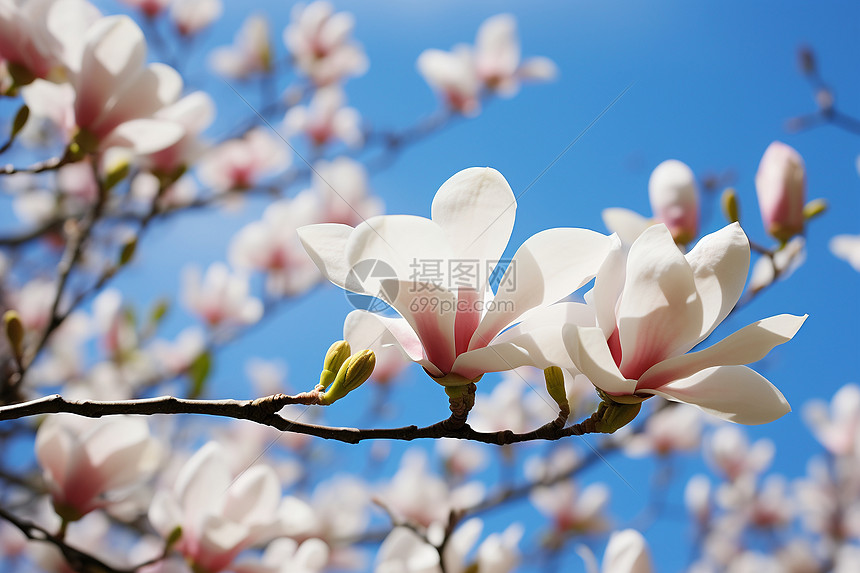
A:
x: 128, y: 443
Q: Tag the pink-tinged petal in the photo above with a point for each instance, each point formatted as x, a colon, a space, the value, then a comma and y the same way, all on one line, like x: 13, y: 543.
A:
x: 608, y: 286
x: 627, y: 224
x: 660, y: 311
x: 326, y: 245
x: 254, y: 493
x: 674, y: 199
x: 720, y: 262
x: 68, y: 22
x: 469, y: 310
x: 734, y: 393
x: 627, y: 552
x: 498, y: 357
x: 589, y: 352
x: 164, y: 513
x: 219, y: 543
x: 405, y: 243
x: 367, y: 330
x: 747, y: 345
x: 54, y: 451
x: 547, y: 267
x: 115, y: 52
x: 475, y: 209
x: 122, y: 452
x: 497, y: 48
x: 203, y: 481
x: 144, y: 136
x: 431, y: 312
x: 154, y: 88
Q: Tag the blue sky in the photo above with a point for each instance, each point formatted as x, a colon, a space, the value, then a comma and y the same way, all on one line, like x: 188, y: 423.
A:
x: 710, y: 84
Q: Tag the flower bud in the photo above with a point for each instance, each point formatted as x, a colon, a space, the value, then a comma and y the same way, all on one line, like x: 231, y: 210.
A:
x: 14, y: 332
x: 336, y: 355
x: 354, y: 372
x: 555, y: 385
x: 614, y: 415
x: 781, y: 188
x: 730, y: 205
x: 674, y: 199
x: 814, y: 208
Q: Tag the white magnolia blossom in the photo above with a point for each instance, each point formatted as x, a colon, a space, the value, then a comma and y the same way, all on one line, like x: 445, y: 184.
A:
x: 837, y: 428
x: 728, y: 451
x: 241, y: 163
x: 220, y: 297
x: 697, y: 497
x: 251, y: 52
x: 146, y: 186
x: 175, y: 357
x: 403, y: 551
x: 653, y: 305
x: 464, y: 74
x: 670, y: 430
x: 194, y: 113
x: 828, y: 499
x: 847, y: 248
x: 33, y: 303
x: 326, y: 118
x: 767, y: 506
x: 627, y: 552
x: 43, y: 38
x: 451, y: 323
x: 461, y: 458
x: 271, y: 245
x: 338, y: 509
x: 88, y: 461
x: 423, y: 498
x: 64, y: 360
x: 780, y: 184
x: 191, y: 16
x: 780, y: 266
x: 508, y: 406
x: 569, y: 508
x: 319, y: 41
x: 674, y: 197
x: 342, y: 192
x: 220, y: 514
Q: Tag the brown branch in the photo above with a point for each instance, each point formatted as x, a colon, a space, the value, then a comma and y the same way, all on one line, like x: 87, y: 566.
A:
x: 47, y: 165
x: 76, y: 559
x: 265, y: 411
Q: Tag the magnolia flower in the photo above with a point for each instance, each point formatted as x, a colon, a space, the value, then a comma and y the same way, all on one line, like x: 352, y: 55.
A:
x: 174, y: 358
x: 52, y: 106
x: 672, y: 429
x: 191, y: 16
x: 729, y: 451
x: 220, y: 516
x: 779, y: 266
x: 781, y: 188
x: 572, y: 510
x: 341, y: 191
x: 194, y: 113
x: 86, y: 461
x: 626, y: 552
x: 769, y: 506
x: 33, y: 303
x: 338, y: 510
x: 220, y: 297
x: 697, y: 497
x: 319, y: 41
x: 240, y: 163
x: 117, y: 94
x: 838, y: 429
x: 674, y: 199
x: 271, y: 245
x: 42, y: 38
x: 147, y: 187
x: 493, y: 65
x: 847, y: 248
x: 656, y: 305
x: 326, y: 118
x: 287, y: 556
x: 439, y: 271
x: 250, y: 53
x: 366, y: 334
x: 461, y: 457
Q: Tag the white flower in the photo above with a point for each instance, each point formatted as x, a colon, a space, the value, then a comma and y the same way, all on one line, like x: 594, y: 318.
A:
x: 250, y: 53
x: 342, y: 192
x: 627, y: 552
x: 783, y: 263
x: 319, y: 41
x: 241, y: 163
x: 839, y: 429
x: 219, y: 515
x: 674, y: 199
x: 326, y: 118
x: 451, y: 323
x: 220, y: 297
x: 670, y: 430
x: 191, y: 16
x: 287, y: 556
x: 729, y: 451
x: 572, y: 510
x: 780, y: 184
x: 653, y: 305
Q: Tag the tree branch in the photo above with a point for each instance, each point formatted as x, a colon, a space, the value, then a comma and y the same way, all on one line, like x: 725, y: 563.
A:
x: 265, y: 411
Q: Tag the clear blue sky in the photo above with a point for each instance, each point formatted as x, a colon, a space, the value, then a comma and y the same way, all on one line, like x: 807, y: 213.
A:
x: 711, y: 84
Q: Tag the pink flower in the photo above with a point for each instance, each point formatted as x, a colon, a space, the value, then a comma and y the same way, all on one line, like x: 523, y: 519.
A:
x: 220, y: 297
x: 194, y: 113
x: 674, y: 199
x: 341, y: 192
x: 627, y: 552
x: 653, y: 305
x: 241, y: 163
x: 191, y: 16
x: 85, y: 461
x: 250, y: 53
x: 451, y: 324
x: 838, y: 429
x: 319, y: 41
x: 453, y: 75
x: 781, y: 187
x: 325, y: 119
x: 150, y: 8
x: 220, y: 516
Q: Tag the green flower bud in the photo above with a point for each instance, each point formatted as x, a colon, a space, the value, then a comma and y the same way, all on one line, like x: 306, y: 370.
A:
x: 614, y: 415
x: 555, y: 385
x: 730, y: 205
x: 335, y: 357
x: 354, y: 372
x: 14, y: 332
x: 814, y: 208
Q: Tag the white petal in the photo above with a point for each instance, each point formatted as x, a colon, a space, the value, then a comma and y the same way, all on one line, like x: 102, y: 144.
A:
x: 720, y: 262
x: 590, y: 353
x: 734, y: 393
x: 368, y: 330
x: 747, y: 345
x: 847, y: 248
x: 659, y: 311
x: 627, y: 552
x: 547, y: 267
x: 202, y: 481
x: 326, y: 245
x: 627, y: 224
x: 144, y: 136
x: 608, y: 286
x: 538, y: 68
x: 476, y: 209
